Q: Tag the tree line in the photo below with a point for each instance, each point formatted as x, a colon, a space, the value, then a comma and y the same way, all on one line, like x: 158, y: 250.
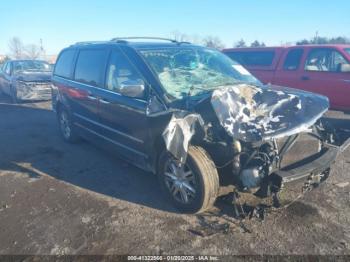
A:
x: 18, y: 50
x: 216, y: 42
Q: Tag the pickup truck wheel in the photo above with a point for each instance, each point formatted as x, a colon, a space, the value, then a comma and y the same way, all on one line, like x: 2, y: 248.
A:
x: 67, y: 129
x: 192, y: 187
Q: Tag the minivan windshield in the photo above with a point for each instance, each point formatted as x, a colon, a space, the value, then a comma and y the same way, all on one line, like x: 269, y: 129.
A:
x: 31, y: 65
x: 192, y: 70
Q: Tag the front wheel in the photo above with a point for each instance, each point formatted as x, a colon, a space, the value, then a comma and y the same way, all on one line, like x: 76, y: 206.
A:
x: 192, y: 187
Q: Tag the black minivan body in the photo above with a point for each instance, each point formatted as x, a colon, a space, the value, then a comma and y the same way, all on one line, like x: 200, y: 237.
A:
x: 191, y: 114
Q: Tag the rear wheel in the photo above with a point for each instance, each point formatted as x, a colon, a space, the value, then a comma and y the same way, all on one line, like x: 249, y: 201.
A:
x: 192, y: 187
x: 67, y: 129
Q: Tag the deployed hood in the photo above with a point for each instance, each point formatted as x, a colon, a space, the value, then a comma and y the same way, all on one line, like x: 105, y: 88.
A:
x: 251, y: 113
x: 33, y: 76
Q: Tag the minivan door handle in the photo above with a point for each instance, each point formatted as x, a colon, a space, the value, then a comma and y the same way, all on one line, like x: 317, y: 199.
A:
x: 104, y: 101
x: 91, y: 97
x: 305, y: 78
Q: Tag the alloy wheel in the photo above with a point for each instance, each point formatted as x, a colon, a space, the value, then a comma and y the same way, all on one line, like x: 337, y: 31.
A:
x: 180, y: 181
x: 64, y: 124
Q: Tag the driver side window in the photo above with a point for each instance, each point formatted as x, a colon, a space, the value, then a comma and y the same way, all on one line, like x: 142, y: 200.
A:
x: 325, y: 60
x: 120, y: 71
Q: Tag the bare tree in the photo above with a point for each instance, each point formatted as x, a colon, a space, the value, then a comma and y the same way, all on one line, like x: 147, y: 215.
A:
x: 16, y: 47
x: 178, y: 36
x: 256, y: 43
x: 240, y: 43
x: 32, y: 51
x: 213, y: 42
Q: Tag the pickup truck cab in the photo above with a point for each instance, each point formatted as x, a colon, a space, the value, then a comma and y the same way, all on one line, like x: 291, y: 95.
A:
x: 323, y: 69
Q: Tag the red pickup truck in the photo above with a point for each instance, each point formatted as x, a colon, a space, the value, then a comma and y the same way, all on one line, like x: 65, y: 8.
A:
x: 323, y: 69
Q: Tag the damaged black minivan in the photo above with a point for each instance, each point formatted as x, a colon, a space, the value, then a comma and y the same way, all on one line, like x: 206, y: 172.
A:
x: 192, y: 116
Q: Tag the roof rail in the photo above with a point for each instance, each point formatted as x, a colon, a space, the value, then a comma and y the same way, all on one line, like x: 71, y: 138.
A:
x: 87, y: 43
x: 124, y: 39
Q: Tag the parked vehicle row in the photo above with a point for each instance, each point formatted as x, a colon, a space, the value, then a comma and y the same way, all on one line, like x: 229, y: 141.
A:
x: 191, y: 115
x: 322, y: 69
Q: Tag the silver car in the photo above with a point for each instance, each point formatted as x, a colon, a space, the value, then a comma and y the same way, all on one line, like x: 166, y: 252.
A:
x: 26, y: 80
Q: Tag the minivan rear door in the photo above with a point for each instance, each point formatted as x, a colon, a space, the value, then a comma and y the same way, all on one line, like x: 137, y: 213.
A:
x: 88, y: 80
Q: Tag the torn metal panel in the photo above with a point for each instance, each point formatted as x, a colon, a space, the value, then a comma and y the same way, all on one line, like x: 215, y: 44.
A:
x: 252, y: 113
x: 179, y: 132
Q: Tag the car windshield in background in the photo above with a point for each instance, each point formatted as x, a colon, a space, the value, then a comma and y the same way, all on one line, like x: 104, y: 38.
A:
x: 347, y: 50
x: 194, y: 70
x: 31, y: 66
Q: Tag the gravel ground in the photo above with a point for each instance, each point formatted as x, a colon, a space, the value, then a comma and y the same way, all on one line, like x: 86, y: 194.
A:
x: 57, y: 198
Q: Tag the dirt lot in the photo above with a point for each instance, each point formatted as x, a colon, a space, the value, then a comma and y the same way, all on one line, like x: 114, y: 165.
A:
x: 57, y: 198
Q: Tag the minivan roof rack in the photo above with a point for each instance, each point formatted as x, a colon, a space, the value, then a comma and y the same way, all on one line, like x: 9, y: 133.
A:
x: 87, y: 43
x: 125, y: 39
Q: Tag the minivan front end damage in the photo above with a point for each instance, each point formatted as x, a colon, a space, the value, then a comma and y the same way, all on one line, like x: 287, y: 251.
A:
x: 257, y: 135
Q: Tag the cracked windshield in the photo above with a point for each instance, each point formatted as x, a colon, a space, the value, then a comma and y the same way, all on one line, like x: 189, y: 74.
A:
x: 193, y: 71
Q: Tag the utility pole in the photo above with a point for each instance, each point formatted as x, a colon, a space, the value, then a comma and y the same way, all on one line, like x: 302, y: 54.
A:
x: 42, y: 50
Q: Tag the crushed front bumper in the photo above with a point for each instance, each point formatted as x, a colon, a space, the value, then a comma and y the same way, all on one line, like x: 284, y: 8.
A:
x: 316, y: 166
x: 33, y: 91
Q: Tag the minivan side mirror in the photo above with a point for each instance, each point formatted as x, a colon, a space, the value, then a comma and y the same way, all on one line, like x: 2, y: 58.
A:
x: 345, y: 68
x: 132, y: 88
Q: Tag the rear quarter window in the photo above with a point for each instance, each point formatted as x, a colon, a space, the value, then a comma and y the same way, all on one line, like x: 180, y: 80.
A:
x: 253, y: 58
x: 90, y: 67
x: 64, y: 64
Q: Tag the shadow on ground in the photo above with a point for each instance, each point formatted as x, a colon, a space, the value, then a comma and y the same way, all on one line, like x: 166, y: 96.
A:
x: 30, y: 144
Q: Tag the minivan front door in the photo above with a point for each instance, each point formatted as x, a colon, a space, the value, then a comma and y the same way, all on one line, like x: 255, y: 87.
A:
x: 123, y: 119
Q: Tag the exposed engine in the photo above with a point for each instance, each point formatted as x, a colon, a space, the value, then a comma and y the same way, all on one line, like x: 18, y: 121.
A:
x: 252, y: 165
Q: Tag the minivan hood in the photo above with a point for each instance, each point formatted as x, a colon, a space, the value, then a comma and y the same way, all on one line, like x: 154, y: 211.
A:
x: 33, y: 76
x: 257, y: 113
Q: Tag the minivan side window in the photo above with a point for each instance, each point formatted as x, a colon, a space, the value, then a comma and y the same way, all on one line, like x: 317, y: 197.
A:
x: 252, y: 58
x: 325, y: 60
x: 120, y: 70
x: 90, y: 66
x: 64, y: 64
x: 293, y: 58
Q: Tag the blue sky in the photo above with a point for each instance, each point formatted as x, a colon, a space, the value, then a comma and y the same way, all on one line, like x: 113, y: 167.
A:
x: 63, y: 22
